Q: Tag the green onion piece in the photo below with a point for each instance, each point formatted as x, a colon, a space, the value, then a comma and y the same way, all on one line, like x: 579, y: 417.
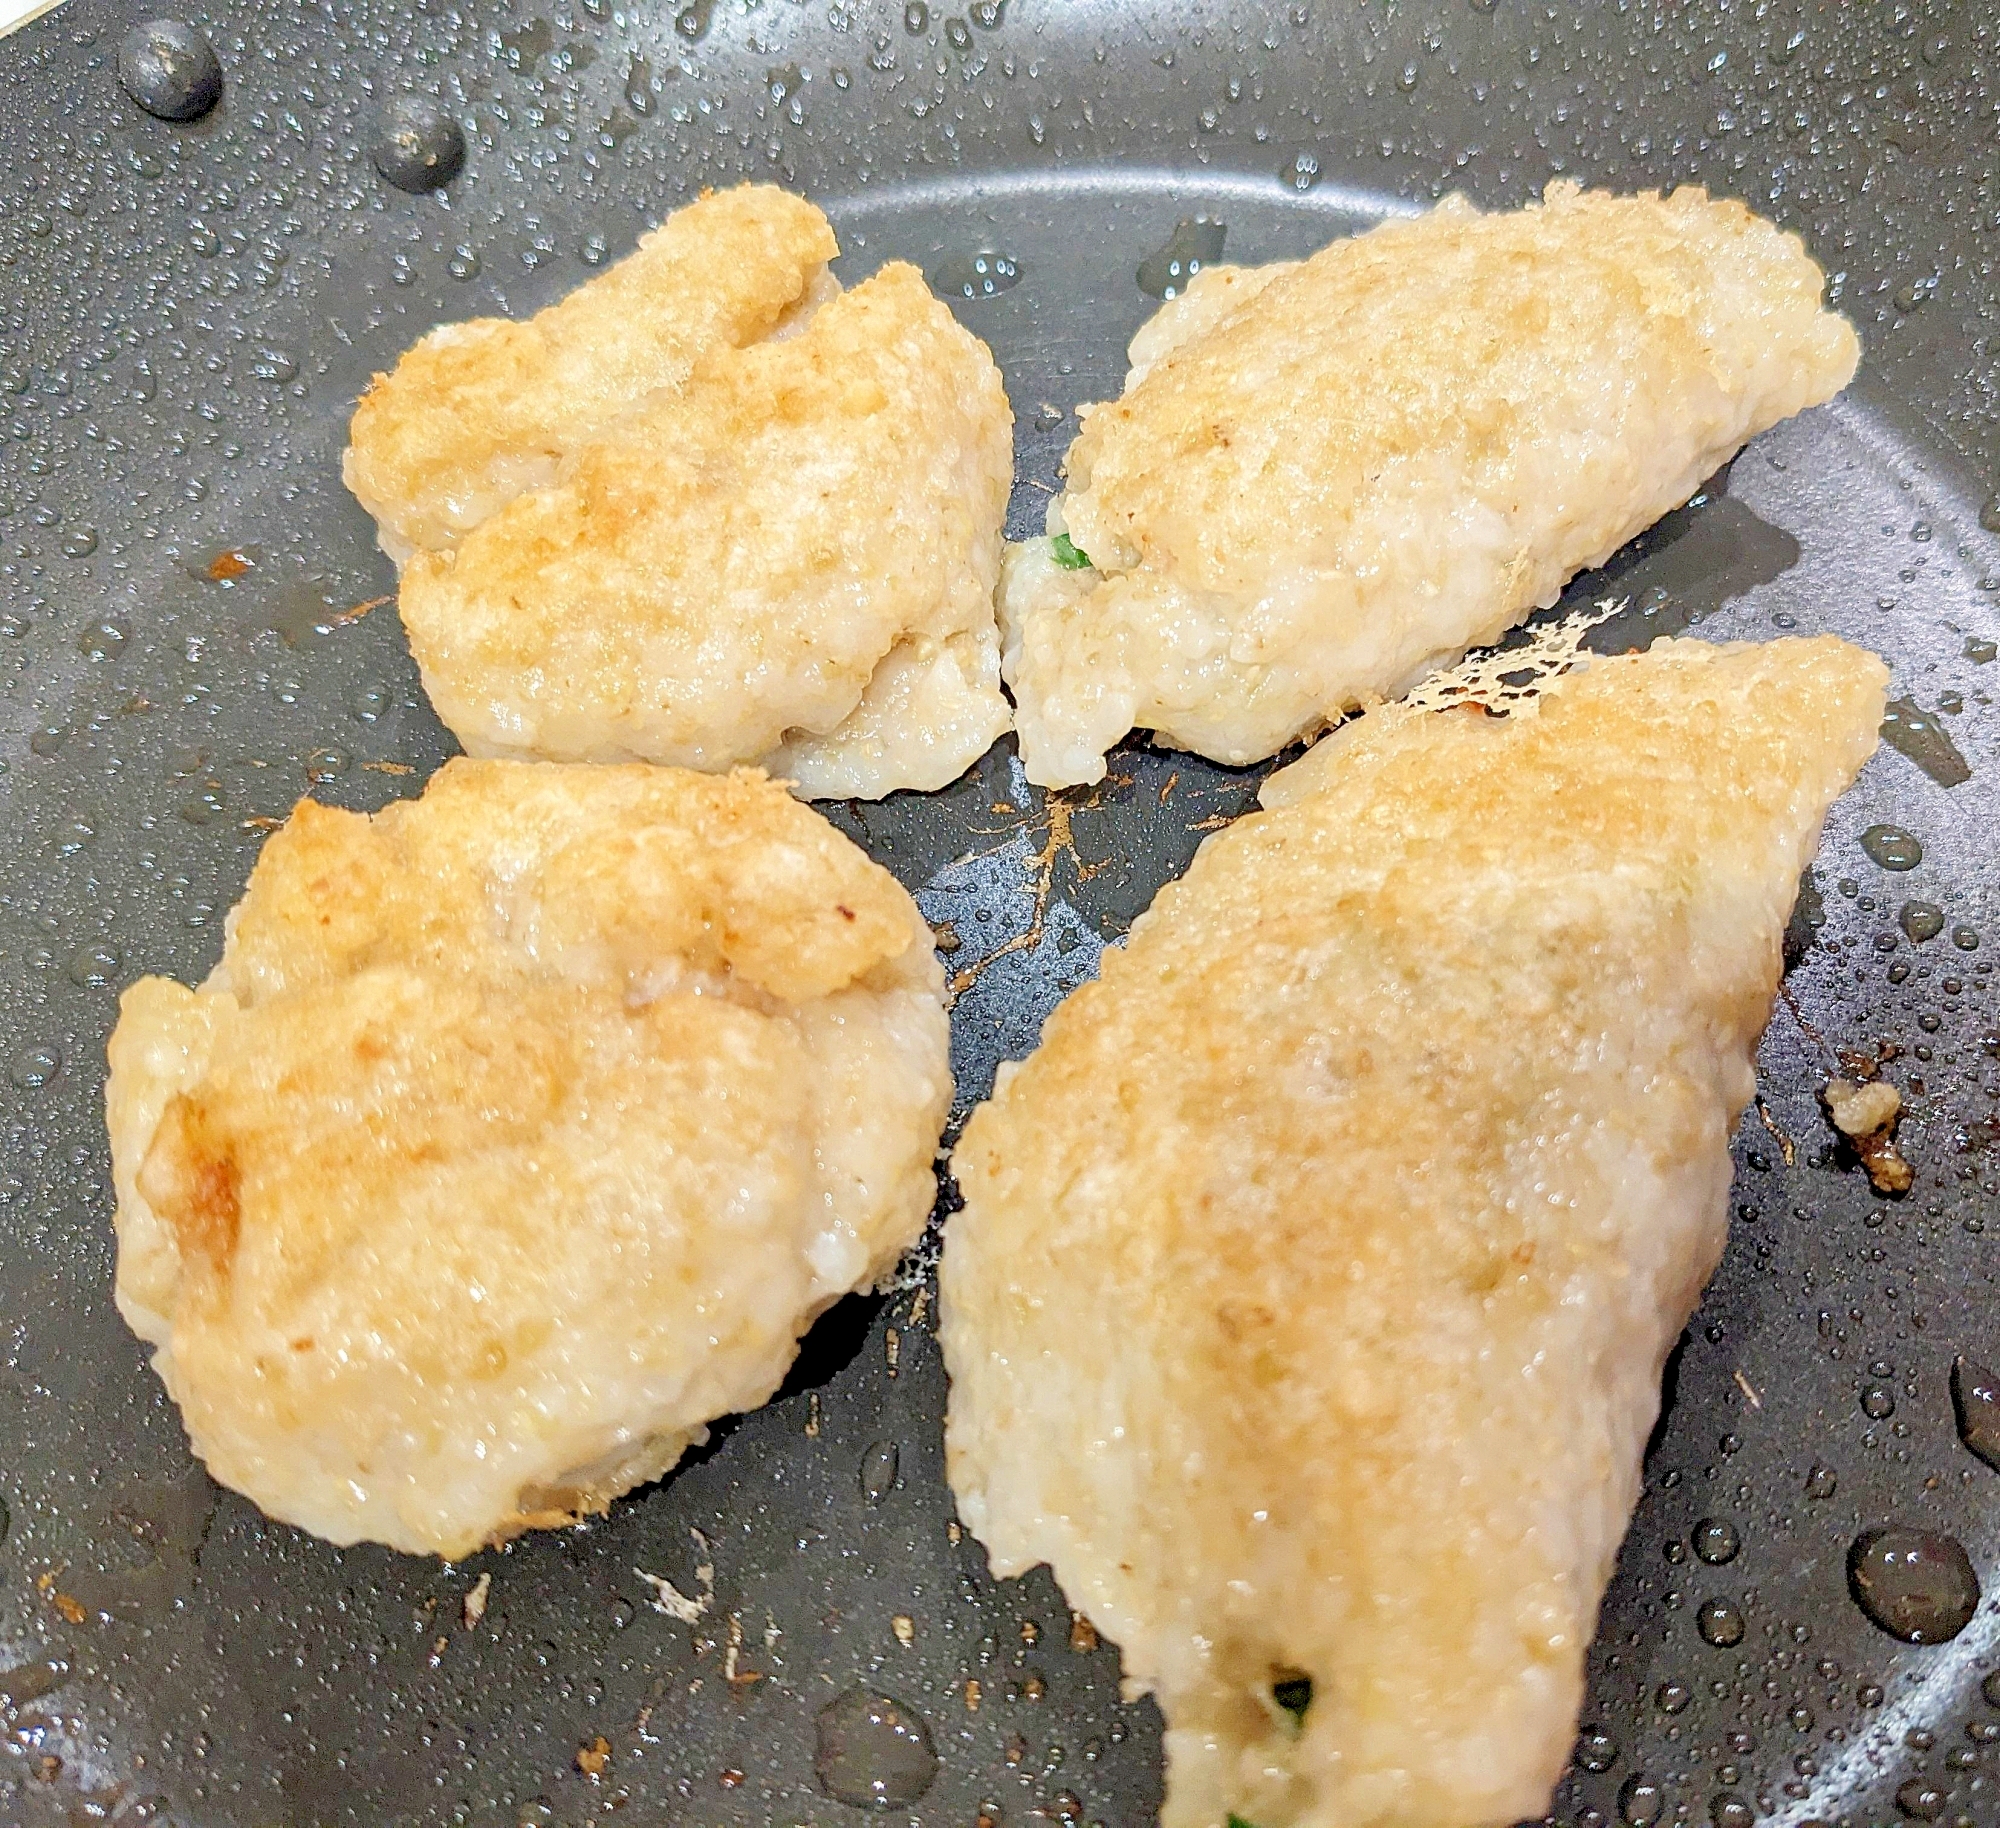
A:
x: 1067, y: 555
x: 1236, y: 1821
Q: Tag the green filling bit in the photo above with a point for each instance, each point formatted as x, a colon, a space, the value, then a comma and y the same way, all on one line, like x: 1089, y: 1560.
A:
x: 1070, y: 559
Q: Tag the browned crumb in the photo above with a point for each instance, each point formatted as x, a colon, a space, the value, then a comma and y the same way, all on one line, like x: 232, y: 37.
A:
x: 1082, y: 1633
x: 1866, y: 1113
x: 593, y: 1759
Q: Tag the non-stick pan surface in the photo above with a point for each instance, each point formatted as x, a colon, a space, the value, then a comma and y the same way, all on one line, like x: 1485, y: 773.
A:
x: 188, y: 313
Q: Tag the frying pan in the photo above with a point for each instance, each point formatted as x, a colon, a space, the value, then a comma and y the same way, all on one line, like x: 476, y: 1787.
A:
x: 186, y: 647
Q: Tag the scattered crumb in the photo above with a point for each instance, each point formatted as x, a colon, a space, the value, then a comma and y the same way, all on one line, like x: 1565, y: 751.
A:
x: 1867, y: 1114
x: 1173, y: 781
x: 438, y: 1647
x: 474, y: 1607
x: 1785, y: 1144
x: 261, y: 821
x: 736, y: 1678
x: 69, y: 1608
x: 673, y: 1602
x: 920, y: 1304
x: 389, y: 767
x: 730, y: 1778
x: 226, y: 566
x: 972, y: 1694
x: 892, y: 1345
x: 1751, y: 1394
x: 905, y: 1629
x: 592, y: 1759
x: 947, y: 937
x: 953, y: 1534
x: 1031, y: 1633
x: 1082, y: 1633
x: 812, y: 1414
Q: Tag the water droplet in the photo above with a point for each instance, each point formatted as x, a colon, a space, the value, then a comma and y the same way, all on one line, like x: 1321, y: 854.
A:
x: 34, y: 1066
x: 1989, y: 514
x: 1822, y: 1482
x: 1596, y: 1750
x: 1720, y: 1624
x: 1975, y: 1401
x: 82, y: 543
x: 878, y: 1471
x: 1878, y: 1403
x: 980, y: 275
x: 103, y: 640
x: 368, y: 703
x: 1921, y: 920
x: 1916, y: 1585
x: 692, y: 21
x: 463, y: 264
x: 170, y: 70
x: 1966, y: 939
x: 274, y: 365
x: 49, y: 739
x: 95, y: 967
x: 327, y: 764
x: 1300, y: 171
x: 1672, y: 1697
x: 1892, y: 847
x: 1641, y: 1802
x: 1979, y: 651
x: 916, y: 18
x: 873, y: 1751
x: 1920, y: 736
x: 1716, y: 1541
x: 1919, y: 1799
x: 418, y: 146
x: 1728, y: 1810
x: 1195, y: 243
x: 987, y: 14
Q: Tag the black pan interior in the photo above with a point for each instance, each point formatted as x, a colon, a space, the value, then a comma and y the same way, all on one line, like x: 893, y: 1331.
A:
x: 185, y: 316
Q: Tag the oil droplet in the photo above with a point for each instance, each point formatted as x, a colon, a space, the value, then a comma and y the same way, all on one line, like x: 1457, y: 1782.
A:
x: 94, y: 967
x: 1921, y: 920
x: 916, y: 17
x: 1716, y: 1541
x: 1596, y: 1750
x: 1822, y: 1482
x: 1720, y: 1624
x: 873, y: 1751
x: 1641, y: 1802
x: 35, y: 1066
x: 1300, y: 171
x: 1673, y: 1697
x: 980, y: 275
x: 1892, y: 847
x: 1878, y: 1403
x: 878, y: 1471
x: 692, y: 21
x: 1975, y: 1400
x: 1919, y: 1799
x: 1195, y: 243
x: 1979, y: 652
x: 1916, y: 1585
x: 103, y: 640
x: 1728, y: 1810
x: 1920, y: 736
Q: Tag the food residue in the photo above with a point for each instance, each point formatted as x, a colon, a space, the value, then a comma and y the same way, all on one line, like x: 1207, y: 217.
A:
x: 1866, y: 1114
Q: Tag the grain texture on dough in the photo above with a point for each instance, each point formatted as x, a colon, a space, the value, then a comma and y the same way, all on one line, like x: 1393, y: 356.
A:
x: 477, y: 412
x: 1309, y: 1301
x: 520, y: 1133
x: 789, y: 559
x: 1326, y: 478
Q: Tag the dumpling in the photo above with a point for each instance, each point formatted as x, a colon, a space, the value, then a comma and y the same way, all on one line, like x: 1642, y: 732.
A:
x: 520, y: 1133
x: 758, y: 523
x: 1315, y: 1275
x: 1326, y: 477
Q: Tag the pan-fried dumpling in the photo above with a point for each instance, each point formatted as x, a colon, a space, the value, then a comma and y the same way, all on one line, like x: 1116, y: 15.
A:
x: 1324, y: 478
x: 1308, y: 1306
x: 520, y: 1133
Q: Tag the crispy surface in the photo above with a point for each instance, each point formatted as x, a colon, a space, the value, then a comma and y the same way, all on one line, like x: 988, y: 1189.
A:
x: 519, y: 1134
x: 720, y: 577
x: 1309, y: 1302
x: 477, y: 412
x: 1394, y: 451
